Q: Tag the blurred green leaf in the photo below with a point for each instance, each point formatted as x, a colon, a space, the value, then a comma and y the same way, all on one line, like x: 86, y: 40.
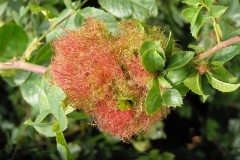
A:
x: 217, y: 11
x: 69, y: 23
x: 156, y: 132
x: 172, y: 98
x: 33, y: 93
x: 185, y: 111
x: 196, y: 48
x: 43, y: 55
x: 212, y: 129
x: 153, y: 100
x: 224, y: 55
x: 195, y: 28
x: 208, y: 3
x: 220, y: 85
x: 154, y: 155
x: 68, y: 4
x: 141, y: 146
x: 137, y: 9
x: 107, y: 18
x: 68, y: 109
x: 234, y: 126
x: 36, y: 8
x: 13, y: 41
x: 179, y: 59
x: 218, y: 31
x: 55, y: 97
x: 7, y: 72
x: 43, y: 128
x: 168, y: 156
x: 61, y: 143
x: 3, y: 7
x: 191, y: 14
x: 194, y: 3
x: 42, y: 116
x: 18, y: 78
x: 228, y: 30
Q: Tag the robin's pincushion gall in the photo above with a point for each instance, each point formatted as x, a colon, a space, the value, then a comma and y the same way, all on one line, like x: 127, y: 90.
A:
x: 98, y: 70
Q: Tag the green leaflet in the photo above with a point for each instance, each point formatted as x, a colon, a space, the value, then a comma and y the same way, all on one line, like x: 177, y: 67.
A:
x: 195, y: 28
x: 153, y: 45
x: 152, y: 61
x: 177, y: 76
x: 220, y: 85
x: 224, y: 55
x: 163, y: 82
x: 197, y: 20
x: 194, y: 83
x: 172, y: 98
x: 179, y: 59
x: 153, y: 100
x: 169, y: 48
x: 221, y: 73
x: 191, y: 14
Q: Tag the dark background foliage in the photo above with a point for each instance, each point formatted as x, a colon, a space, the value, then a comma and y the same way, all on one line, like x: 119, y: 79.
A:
x: 197, y: 130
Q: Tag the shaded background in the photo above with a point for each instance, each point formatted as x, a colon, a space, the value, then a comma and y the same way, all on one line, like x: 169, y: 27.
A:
x: 197, y: 131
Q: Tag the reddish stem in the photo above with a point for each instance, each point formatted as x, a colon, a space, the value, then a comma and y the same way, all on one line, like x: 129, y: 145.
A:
x: 216, y: 48
x: 23, y: 66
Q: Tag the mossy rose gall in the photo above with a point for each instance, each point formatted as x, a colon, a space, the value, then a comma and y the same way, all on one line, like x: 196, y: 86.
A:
x: 97, y: 69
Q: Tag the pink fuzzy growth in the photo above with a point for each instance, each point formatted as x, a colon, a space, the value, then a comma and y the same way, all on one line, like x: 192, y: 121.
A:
x: 84, y: 61
x: 112, y: 120
x: 144, y: 122
x: 136, y: 70
x: 123, y: 124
